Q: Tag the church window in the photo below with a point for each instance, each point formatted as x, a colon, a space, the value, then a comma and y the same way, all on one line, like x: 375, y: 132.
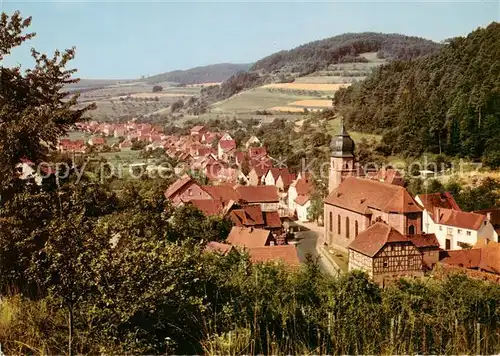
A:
x: 356, y: 228
x: 331, y: 221
x: 347, y: 227
x: 339, y: 228
x: 411, y: 230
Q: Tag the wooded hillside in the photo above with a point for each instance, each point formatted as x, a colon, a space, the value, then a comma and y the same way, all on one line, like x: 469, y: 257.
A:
x: 448, y: 102
x: 207, y: 74
x: 343, y: 49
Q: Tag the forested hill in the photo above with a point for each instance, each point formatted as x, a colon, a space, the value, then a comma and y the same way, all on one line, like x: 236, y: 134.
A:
x: 345, y: 48
x: 207, y: 74
x: 318, y: 55
x: 448, y: 102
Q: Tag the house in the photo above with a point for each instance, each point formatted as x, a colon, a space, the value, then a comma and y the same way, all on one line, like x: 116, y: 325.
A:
x: 284, y: 180
x: 253, y: 140
x: 198, y: 131
x: 428, y: 245
x: 273, y: 174
x: 265, y: 196
x: 429, y: 203
x: 97, y: 141
x: 458, y: 229
x: 258, y: 170
x: 249, y: 237
x: 185, y: 189
x: 357, y: 203
x: 279, y: 253
x: 223, y: 193
x: 226, y: 148
x: 208, y: 207
x: 454, y: 229
x: 257, y: 152
x: 493, y: 216
x: 226, y: 137
x: 299, y: 197
x: 485, y: 259
x: 248, y: 216
x: 125, y: 145
x: 385, y: 254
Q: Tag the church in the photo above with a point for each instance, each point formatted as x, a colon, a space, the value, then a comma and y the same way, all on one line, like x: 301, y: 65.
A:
x: 354, y: 203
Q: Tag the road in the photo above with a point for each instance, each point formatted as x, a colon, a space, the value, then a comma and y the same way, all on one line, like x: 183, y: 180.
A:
x: 307, y: 242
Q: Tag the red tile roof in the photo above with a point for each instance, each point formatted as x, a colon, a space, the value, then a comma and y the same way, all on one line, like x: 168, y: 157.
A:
x: 248, y: 237
x: 359, y: 195
x: 438, y: 200
x: 222, y: 192
x: 227, y: 145
x: 98, y: 141
x: 178, y: 184
x: 285, y: 253
x: 258, y: 194
x: 249, y: 215
x: 494, y: 215
x: 484, y: 259
x: 255, y: 152
x: 302, y: 199
x: 303, y: 186
x: 371, y: 241
x: 197, y: 129
x: 219, y: 247
x: 208, y: 207
x: 272, y: 219
x: 424, y: 240
x: 460, y: 219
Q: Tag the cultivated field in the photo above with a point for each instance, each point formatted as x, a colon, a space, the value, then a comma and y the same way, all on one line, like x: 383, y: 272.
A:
x: 257, y: 99
x: 313, y: 103
x: 287, y: 109
x: 306, y: 86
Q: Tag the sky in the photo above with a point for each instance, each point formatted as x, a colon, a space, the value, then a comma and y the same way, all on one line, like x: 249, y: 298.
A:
x: 127, y: 39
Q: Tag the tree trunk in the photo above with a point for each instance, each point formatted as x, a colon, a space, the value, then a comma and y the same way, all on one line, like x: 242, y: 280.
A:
x: 70, y: 329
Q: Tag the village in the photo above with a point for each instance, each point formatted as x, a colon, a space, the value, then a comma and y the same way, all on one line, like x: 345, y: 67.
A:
x: 371, y: 221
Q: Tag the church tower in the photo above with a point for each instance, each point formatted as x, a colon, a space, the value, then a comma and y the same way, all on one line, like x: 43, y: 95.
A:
x: 342, y: 158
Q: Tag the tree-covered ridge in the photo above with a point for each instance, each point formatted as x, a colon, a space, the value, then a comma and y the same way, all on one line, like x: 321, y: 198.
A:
x: 345, y: 48
x: 206, y: 74
x: 448, y: 102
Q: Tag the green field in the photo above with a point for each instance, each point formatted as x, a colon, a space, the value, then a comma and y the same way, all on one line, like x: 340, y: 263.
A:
x: 257, y: 99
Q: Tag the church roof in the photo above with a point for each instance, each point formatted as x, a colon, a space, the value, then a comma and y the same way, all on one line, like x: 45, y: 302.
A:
x: 361, y: 195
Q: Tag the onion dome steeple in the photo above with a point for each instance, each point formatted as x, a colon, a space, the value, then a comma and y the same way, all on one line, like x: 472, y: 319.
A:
x: 342, y: 144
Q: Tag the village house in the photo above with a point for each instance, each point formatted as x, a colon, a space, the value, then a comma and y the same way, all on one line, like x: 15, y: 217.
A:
x: 226, y: 149
x: 185, y: 189
x: 97, y: 141
x: 258, y: 169
x: 257, y: 152
x: 265, y: 196
x: 198, y: 131
x: 250, y: 237
x: 485, y: 259
x: 354, y: 204
x: 385, y: 254
x: 226, y: 137
x: 454, y: 229
x: 299, y: 196
x: 253, y: 140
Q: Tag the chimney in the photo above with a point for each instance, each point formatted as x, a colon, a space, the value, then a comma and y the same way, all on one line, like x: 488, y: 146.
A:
x: 437, y: 214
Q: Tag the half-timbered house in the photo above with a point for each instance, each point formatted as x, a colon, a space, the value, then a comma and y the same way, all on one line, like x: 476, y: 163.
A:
x: 385, y: 254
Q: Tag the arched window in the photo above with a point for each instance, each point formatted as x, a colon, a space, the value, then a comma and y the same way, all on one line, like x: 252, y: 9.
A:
x: 356, y: 228
x: 331, y: 221
x: 339, y: 229
x: 411, y: 230
x: 347, y: 227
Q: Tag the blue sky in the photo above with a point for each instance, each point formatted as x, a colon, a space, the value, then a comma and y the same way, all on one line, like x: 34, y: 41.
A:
x: 129, y: 39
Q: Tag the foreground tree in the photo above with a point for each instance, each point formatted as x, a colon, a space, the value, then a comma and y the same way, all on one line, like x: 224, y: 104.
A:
x: 35, y: 110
